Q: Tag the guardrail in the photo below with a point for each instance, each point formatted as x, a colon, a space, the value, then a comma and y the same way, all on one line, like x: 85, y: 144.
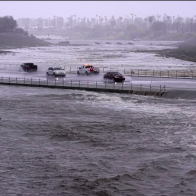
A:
x: 133, y: 72
x: 106, y: 86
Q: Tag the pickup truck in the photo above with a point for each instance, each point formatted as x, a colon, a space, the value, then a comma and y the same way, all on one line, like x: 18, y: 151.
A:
x: 88, y: 69
x: 29, y: 67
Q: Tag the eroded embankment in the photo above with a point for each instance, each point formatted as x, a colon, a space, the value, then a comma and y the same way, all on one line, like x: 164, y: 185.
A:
x: 180, y: 94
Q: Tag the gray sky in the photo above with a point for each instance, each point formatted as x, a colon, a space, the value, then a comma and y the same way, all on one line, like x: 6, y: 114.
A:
x: 46, y: 9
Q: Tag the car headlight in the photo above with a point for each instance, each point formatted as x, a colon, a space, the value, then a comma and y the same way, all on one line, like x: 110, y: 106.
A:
x: 57, y: 72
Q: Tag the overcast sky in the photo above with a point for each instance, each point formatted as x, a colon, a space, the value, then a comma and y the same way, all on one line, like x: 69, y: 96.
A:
x: 46, y: 9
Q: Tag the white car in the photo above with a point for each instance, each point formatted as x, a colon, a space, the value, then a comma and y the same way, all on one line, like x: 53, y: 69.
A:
x: 56, y: 71
x: 88, y: 69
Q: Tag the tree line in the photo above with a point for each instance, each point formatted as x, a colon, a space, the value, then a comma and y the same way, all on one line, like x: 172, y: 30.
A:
x: 8, y: 24
x: 128, y: 27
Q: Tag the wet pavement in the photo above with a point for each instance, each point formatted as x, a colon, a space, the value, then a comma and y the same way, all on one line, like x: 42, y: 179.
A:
x: 156, y: 82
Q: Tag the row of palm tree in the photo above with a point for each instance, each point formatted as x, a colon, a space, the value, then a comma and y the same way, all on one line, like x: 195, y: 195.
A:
x: 165, y: 22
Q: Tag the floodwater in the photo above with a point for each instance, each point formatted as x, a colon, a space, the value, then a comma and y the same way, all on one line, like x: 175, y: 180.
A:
x: 104, y: 56
x: 78, y: 143
x: 75, y: 143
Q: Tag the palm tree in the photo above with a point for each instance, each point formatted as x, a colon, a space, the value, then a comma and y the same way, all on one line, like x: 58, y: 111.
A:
x: 158, y: 16
x: 150, y: 19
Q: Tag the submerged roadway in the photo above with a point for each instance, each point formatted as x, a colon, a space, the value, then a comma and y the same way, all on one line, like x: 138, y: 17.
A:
x: 170, y: 83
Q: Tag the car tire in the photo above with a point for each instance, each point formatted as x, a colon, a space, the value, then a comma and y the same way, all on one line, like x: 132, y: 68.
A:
x: 87, y: 73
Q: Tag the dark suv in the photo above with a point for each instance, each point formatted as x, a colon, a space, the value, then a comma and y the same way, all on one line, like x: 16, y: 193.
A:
x: 29, y: 67
x: 115, y: 76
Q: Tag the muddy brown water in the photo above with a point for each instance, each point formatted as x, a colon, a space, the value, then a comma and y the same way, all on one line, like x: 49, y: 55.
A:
x: 75, y: 143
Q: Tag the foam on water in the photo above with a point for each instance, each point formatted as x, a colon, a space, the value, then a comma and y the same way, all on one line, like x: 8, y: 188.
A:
x: 117, y: 57
x: 70, y: 142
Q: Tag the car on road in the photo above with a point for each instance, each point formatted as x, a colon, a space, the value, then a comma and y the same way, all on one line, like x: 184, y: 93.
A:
x: 29, y: 67
x: 56, y: 71
x: 88, y: 69
x: 114, y: 76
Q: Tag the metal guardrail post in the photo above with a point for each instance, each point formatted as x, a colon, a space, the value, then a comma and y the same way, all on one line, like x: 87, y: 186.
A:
x: 96, y: 84
x: 168, y: 74
x: 16, y: 80
x: 79, y: 83
x: 160, y: 74
x: 176, y: 74
x: 122, y: 85
x: 24, y: 80
x: 71, y: 82
x: 150, y: 87
x: 141, y: 87
x: 39, y: 81
x: 105, y: 85
x: 153, y: 73
x: 55, y: 81
x: 160, y: 88
x: 131, y: 86
x: 9, y: 79
x: 47, y: 81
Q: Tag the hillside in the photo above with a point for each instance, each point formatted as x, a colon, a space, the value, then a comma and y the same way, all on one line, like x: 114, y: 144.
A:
x: 185, y: 51
x: 15, y: 40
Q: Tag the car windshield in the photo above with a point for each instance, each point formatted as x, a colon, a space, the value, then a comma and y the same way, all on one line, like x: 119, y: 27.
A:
x: 116, y: 73
x: 88, y: 66
x: 29, y: 64
x: 58, y: 68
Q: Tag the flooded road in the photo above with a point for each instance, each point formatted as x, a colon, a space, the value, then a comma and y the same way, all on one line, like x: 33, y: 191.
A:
x: 69, y: 142
x: 78, y: 143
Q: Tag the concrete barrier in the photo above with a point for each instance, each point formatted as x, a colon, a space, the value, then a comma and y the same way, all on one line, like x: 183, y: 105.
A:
x: 146, y: 93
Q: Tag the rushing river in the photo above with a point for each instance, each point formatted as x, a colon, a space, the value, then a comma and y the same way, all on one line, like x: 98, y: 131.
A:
x: 104, y: 56
x: 75, y: 143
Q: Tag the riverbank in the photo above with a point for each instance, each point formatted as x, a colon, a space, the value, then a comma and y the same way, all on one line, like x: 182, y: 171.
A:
x: 13, y: 40
x: 184, y: 51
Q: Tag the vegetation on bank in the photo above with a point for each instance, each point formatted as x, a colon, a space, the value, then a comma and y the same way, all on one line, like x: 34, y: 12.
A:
x: 185, y: 51
x: 115, y: 34
x: 13, y: 37
x: 15, y: 40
